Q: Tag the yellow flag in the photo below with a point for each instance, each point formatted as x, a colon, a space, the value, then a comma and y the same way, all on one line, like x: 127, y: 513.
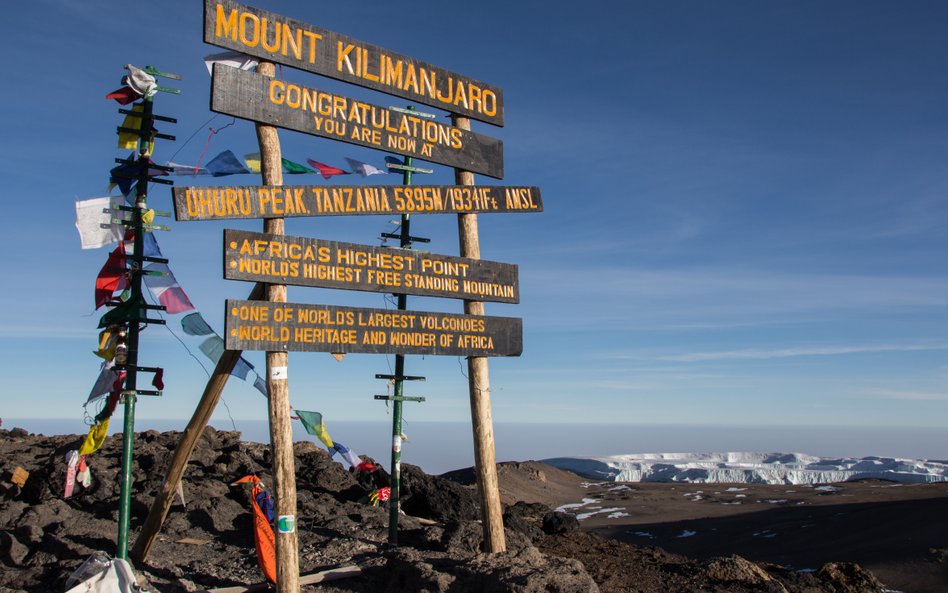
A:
x: 95, y: 438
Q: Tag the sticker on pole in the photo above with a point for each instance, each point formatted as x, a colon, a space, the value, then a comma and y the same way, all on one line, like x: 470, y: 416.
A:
x: 286, y: 524
x: 397, y: 443
x: 279, y: 373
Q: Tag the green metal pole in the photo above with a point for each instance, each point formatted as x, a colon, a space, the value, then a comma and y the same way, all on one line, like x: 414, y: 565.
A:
x: 129, y: 394
x: 405, y: 243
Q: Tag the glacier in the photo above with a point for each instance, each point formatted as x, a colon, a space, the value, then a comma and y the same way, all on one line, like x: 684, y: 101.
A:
x: 750, y: 468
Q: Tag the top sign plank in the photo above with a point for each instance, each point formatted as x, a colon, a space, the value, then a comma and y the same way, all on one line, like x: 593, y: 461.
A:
x: 286, y: 41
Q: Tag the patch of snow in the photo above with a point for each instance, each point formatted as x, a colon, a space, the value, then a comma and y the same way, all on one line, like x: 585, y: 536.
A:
x: 584, y: 516
x: 687, y: 533
x: 617, y: 515
x: 752, y: 468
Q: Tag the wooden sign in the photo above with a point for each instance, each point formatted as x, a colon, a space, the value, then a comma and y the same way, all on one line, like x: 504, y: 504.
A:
x: 301, y: 261
x: 295, y: 327
x: 254, y: 201
x: 289, y: 105
x: 282, y: 40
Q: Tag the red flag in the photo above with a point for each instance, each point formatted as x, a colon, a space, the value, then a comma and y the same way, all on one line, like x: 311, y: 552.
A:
x: 158, y: 381
x: 111, y: 277
x: 124, y: 95
x: 325, y: 170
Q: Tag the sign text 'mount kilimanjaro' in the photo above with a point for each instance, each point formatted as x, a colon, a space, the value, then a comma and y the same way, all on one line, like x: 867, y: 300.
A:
x: 273, y: 327
x: 254, y: 201
x: 301, y: 261
x: 279, y: 39
x: 289, y: 105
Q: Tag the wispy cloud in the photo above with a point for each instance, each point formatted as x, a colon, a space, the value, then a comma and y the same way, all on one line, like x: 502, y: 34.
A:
x: 901, y: 395
x: 757, y: 354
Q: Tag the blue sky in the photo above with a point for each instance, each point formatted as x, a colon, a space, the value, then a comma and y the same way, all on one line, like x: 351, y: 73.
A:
x: 746, y: 208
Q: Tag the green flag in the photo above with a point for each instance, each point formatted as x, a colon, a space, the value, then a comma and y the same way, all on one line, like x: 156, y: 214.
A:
x: 313, y: 423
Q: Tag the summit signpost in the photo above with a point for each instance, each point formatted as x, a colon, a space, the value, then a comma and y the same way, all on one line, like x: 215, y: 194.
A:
x: 273, y: 259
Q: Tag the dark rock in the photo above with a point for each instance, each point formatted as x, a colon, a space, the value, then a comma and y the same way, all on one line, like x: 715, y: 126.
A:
x: 847, y: 577
x: 11, y: 550
x: 435, y: 498
x: 556, y: 522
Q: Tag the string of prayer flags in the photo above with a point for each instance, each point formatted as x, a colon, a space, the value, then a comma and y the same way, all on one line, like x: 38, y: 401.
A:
x: 226, y: 163
x: 166, y: 290
x: 313, y: 423
x: 91, y: 214
x: 325, y: 170
x: 230, y: 58
x: 364, y: 169
x: 252, y: 161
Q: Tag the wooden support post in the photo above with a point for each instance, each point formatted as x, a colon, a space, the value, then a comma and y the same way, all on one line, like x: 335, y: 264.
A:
x: 281, y: 429
x: 179, y: 460
x: 485, y: 462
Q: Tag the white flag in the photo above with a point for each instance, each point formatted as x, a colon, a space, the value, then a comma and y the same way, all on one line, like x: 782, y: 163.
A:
x: 91, y: 215
x: 230, y: 58
x: 364, y: 169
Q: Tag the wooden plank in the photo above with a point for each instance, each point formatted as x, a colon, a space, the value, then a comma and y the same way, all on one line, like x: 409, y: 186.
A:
x: 296, y: 327
x: 254, y: 201
x: 332, y: 574
x: 292, y: 106
x: 287, y: 41
x: 302, y: 261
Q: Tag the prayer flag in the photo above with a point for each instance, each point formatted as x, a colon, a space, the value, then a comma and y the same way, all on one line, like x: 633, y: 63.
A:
x: 213, y: 348
x: 96, y: 437
x: 253, y: 161
x: 180, y: 169
x: 131, y: 311
x: 294, y: 168
x: 124, y: 95
x: 195, y: 325
x: 364, y: 169
x: 113, y: 276
x: 325, y: 170
x: 140, y: 81
x: 91, y: 215
x: 230, y: 58
x: 261, y: 386
x: 225, y: 164
x: 166, y: 290
x: 242, y: 368
x: 313, y: 423
x: 129, y: 140
x: 103, y: 384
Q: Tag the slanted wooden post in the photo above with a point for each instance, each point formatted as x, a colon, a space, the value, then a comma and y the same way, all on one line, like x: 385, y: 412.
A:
x: 281, y: 429
x: 485, y: 461
x: 182, y: 453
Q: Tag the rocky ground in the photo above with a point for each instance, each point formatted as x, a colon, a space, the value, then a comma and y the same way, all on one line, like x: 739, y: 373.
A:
x: 208, y: 542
